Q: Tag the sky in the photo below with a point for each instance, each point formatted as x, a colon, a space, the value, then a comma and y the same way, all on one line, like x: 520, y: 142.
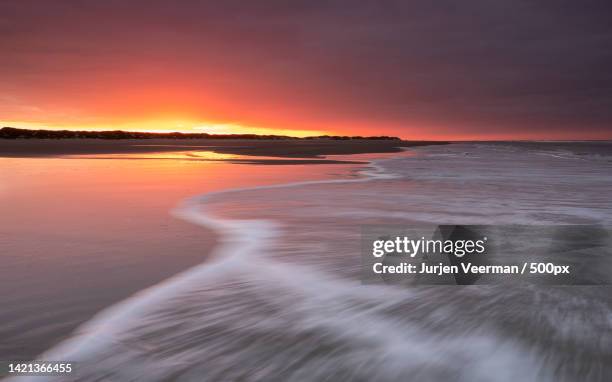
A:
x: 482, y: 69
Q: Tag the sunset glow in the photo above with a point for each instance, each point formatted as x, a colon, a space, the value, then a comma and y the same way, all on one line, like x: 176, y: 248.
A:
x: 305, y: 70
x: 166, y: 125
x: 306, y: 191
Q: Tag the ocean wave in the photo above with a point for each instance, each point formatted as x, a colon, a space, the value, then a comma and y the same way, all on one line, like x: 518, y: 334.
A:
x: 276, y: 301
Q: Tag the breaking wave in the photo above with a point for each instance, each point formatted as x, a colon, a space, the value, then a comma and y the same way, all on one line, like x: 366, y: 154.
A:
x: 281, y: 298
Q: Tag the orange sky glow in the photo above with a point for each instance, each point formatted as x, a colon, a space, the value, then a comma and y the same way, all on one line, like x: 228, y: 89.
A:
x: 410, y: 70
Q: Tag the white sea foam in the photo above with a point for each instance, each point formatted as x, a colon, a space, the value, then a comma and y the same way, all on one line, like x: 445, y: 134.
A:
x: 240, y: 238
x: 262, y: 286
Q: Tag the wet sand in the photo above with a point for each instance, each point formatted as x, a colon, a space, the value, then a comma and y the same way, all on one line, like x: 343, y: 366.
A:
x: 80, y: 234
x: 290, y: 148
x: 86, y: 224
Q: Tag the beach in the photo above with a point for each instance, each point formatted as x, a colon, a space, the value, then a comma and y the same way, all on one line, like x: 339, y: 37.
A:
x: 279, y: 296
x: 82, y: 232
x: 284, y: 148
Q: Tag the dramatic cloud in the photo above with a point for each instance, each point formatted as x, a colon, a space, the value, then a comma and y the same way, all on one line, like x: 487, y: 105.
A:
x: 460, y: 69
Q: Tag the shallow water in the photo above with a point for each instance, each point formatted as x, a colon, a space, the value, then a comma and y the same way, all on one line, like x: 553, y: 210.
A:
x: 281, y: 299
x: 80, y: 233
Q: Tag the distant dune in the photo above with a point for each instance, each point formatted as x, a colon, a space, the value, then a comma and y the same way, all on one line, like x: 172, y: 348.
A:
x: 35, y: 143
x: 14, y: 133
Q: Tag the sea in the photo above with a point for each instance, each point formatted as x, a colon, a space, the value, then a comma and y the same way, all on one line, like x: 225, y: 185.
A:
x: 281, y: 299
